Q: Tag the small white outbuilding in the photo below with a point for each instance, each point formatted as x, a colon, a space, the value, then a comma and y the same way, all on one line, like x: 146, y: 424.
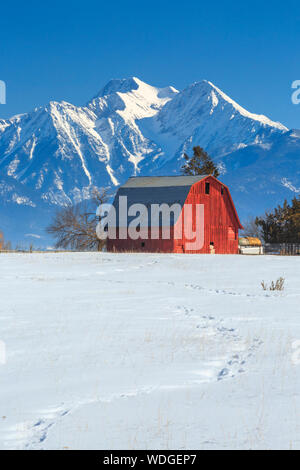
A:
x: 250, y: 246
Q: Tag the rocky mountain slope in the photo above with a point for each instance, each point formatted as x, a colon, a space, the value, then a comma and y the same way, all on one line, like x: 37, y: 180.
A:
x: 55, y: 154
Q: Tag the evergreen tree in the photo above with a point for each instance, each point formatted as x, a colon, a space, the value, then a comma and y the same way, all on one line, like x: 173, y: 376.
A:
x: 282, y: 225
x: 199, y: 164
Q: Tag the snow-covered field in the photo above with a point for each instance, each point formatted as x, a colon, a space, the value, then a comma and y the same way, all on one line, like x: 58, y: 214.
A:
x: 112, y: 351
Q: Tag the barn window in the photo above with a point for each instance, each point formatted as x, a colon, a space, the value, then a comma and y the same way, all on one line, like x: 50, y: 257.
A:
x: 222, y: 190
x: 207, y: 185
x: 143, y: 244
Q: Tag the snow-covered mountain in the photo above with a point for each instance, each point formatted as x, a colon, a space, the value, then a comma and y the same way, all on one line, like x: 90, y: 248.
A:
x: 55, y: 154
x: 61, y: 150
x: 204, y: 114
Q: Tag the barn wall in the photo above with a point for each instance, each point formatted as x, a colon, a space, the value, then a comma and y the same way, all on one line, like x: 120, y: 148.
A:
x: 142, y: 244
x: 220, y: 224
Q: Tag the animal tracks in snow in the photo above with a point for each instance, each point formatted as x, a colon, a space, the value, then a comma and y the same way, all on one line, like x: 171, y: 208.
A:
x: 224, y: 291
x: 38, y: 432
x: 237, y: 364
x: 238, y: 351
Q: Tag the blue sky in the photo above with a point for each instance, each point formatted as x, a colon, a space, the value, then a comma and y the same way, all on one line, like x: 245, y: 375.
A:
x: 69, y: 50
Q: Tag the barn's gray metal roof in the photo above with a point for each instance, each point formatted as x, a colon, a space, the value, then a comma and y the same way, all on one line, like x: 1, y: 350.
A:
x: 148, y: 190
x: 161, y: 181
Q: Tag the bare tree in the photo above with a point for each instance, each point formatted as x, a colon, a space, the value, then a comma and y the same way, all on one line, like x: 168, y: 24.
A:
x: 4, y: 245
x: 7, y: 246
x: 74, y: 226
x: 251, y: 229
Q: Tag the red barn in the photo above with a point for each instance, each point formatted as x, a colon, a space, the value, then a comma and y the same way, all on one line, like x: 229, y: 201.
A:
x: 206, y: 215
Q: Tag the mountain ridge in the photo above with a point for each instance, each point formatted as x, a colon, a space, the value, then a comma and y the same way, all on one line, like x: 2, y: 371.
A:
x: 58, y: 152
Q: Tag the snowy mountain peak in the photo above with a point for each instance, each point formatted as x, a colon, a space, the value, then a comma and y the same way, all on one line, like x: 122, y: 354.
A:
x: 131, y: 98
x: 217, y: 93
x: 127, y: 85
x: 116, y: 85
x: 203, y: 115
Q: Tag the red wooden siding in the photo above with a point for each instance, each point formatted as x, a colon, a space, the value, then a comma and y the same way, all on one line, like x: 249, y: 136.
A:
x: 220, y: 221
